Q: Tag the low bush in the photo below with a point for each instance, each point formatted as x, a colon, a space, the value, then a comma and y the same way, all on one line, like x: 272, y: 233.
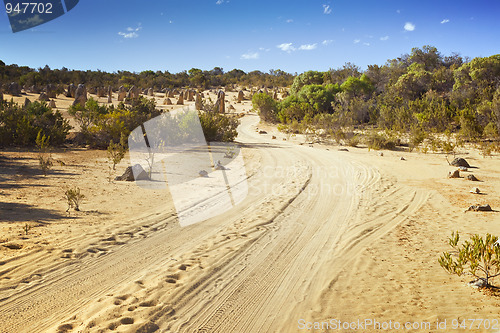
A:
x: 20, y: 126
x: 478, y: 256
x: 381, y: 141
x: 265, y: 105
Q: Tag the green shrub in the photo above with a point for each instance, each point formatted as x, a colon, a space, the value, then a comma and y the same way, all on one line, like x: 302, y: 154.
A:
x: 20, y: 126
x: 265, y: 105
x: 74, y: 198
x: 102, y: 124
x: 218, y: 127
x: 417, y: 136
x: 117, y: 151
x: 381, y: 141
x: 44, y: 158
x: 353, y: 140
x: 479, y: 257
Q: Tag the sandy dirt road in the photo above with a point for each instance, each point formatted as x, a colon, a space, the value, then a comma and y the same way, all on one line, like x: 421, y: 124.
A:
x: 260, y: 267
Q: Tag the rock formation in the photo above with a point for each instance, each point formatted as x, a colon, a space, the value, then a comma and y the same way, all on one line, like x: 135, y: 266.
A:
x: 132, y: 173
x: 43, y: 97
x: 122, y: 93
x: 133, y: 93
x: 71, y: 91
x: 180, y: 101
x: 241, y: 96
x: 220, y: 105
x: 80, y: 95
x: 14, y: 89
x: 51, y: 91
x: 460, y: 162
x: 198, y: 102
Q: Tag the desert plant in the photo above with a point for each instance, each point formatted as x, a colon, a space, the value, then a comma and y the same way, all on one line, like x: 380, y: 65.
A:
x: 480, y: 257
x: 44, y: 158
x: 26, y: 228
x: 116, y: 153
x: 265, y: 105
x: 74, y: 197
x: 218, y: 127
x: 353, y: 140
x: 417, y: 136
x: 381, y: 141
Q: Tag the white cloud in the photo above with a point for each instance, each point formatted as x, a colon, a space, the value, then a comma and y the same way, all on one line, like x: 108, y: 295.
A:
x: 308, y: 47
x: 366, y: 44
x: 219, y: 2
x: 398, y: 11
x: 289, y: 21
x: 132, y: 32
x: 287, y: 47
x: 384, y: 38
x: 326, y: 9
x: 250, y: 56
x: 129, y: 35
x: 327, y: 42
x: 356, y: 41
x: 264, y: 49
x: 445, y: 21
x: 409, y: 26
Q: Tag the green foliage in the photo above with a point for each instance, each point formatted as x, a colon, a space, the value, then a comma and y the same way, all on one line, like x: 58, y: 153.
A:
x: 381, y: 141
x: 307, y: 78
x: 417, y: 136
x: 101, y: 124
x: 218, y: 127
x: 117, y: 151
x: 357, y: 86
x: 470, y: 129
x: 319, y: 97
x: 44, y: 158
x: 265, y: 105
x: 74, y: 198
x: 20, y: 126
x: 478, y: 256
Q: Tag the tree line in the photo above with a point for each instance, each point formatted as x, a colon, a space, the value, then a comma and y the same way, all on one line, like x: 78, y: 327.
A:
x: 217, y: 77
x: 421, y: 93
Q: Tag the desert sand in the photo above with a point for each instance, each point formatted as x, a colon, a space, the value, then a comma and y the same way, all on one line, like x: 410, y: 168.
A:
x: 322, y: 235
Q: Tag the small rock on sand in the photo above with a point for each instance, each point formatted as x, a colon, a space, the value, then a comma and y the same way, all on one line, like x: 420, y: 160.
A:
x: 129, y: 173
x: 460, y: 162
x: 479, y: 283
x: 475, y: 190
x: 480, y: 208
x: 454, y: 174
x: 203, y: 173
x: 473, y: 178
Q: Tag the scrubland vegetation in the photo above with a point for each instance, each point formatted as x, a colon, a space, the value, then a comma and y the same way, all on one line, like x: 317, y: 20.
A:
x: 421, y: 99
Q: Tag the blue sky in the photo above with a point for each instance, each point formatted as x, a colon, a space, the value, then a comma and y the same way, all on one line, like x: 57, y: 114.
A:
x: 292, y: 35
